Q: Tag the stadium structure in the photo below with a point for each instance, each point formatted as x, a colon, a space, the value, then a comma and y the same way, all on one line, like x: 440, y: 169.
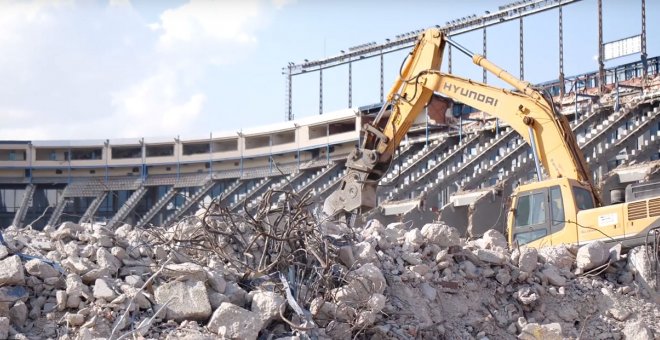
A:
x: 450, y: 159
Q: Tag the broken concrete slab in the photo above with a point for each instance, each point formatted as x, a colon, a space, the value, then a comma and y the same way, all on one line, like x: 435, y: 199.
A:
x: 638, y: 331
x: 11, y: 271
x: 592, y: 255
x: 103, y: 290
x: 186, y: 300
x: 4, y: 252
x: 441, y: 234
x: 4, y: 327
x: 639, y: 261
x: 233, y: 322
x: 267, y: 305
x: 527, y: 259
x: 559, y: 256
x: 40, y: 269
x: 534, y: 331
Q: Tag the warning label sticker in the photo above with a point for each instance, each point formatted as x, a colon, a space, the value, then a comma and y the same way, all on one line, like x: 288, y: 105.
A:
x: 609, y: 219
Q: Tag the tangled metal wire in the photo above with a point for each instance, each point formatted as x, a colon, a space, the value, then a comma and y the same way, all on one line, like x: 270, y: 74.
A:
x: 282, y: 240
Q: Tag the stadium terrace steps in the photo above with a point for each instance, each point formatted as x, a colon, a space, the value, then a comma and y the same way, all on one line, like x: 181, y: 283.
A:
x: 126, y: 209
x: 289, y: 180
x: 25, y: 204
x: 401, y: 169
x: 257, y: 187
x: 151, y: 213
x: 191, y: 201
x: 57, y: 211
x: 443, y: 162
x: 316, y: 177
x: 93, y: 207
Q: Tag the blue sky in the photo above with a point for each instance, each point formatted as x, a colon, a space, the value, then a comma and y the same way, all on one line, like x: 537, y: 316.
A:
x: 121, y: 69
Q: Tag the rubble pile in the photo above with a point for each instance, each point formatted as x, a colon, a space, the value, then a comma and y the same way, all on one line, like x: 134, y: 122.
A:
x: 284, y: 274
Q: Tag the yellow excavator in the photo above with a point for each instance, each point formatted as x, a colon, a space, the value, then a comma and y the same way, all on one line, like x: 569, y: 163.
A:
x: 564, y: 209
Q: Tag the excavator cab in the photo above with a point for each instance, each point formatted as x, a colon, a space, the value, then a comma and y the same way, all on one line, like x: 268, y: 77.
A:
x: 544, y: 213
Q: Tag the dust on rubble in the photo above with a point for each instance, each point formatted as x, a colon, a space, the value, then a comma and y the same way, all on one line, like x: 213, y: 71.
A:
x: 285, y: 273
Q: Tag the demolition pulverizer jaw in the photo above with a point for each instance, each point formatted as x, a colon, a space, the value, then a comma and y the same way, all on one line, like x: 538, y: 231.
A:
x: 355, y: 191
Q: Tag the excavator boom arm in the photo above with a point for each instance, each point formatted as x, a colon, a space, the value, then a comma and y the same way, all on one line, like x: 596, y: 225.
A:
x: 527, y: 111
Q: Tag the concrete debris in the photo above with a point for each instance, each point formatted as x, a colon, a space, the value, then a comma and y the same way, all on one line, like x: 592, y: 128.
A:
x: 102, y: 290
x: 639, y: 261
x: 228, y: 276
x: 267, y: 305
x: 441, y: 235
x: 184, y: 300
x: 4, y: 327
x: 534, y: 331
x: 11, y: 271
x: 493, y: 240
x: 592, y: 255
x: 552, y: 274
x: 559, y: 256
x: 40, y: 269
x: 528, y: 259
x: 232, y: 322
x: 638, y: 331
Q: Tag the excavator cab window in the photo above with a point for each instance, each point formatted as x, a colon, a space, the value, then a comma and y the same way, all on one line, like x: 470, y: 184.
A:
x: 583, y: 199
x: 531, y: 216
x: 557, y: 205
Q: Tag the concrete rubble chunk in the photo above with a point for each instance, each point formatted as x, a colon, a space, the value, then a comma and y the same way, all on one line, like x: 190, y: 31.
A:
x: 233, y: 322
x: 492, y: 240
x: 414, y: 239
x: 470, y: 270
x: 134, y: 281
x: 216, y: 299
x: 236, y: 294
x: 107, y: 261
x: 553, y: 276
x: 102, y: 290
x: 185, y: 300
x: 40, y: 269
x: 441, y: 234
x: 371, y: 228
x: 216, y: 281
x: 346, y: 256
x: 534, y: 331
x: 78, y: 265
x: 639, y: 262
x: 559, y: 256
x: 11, y: 271
x: 4, y: 252
x: 362, y: 282
x: 490, y: 256
x: 4, y: 327
x: 395, y: 230
x: 592, y: 255
x: 528, y: 259
x: 267, y: 305
x: 188, y: 270
x: 619, y: 313
x: 638, y: 331
x: 67, y: 230
x: 334, y: 229
x: 364, y: 252
x: 18, y: 314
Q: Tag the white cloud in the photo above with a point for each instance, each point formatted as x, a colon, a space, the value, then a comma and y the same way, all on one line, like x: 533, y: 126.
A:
x: 279, y: 4
x: 210, y: 21
x: 158, y: 103
x: 120, y: 3
x: 89, y: 70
